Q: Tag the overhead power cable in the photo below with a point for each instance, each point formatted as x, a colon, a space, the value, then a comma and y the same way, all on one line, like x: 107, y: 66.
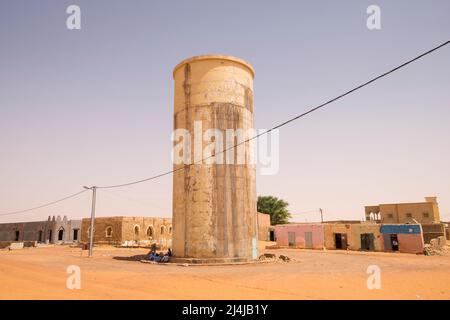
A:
x: 245, y: 141
x: 44, y: 205
x: 285, y: 122
x: 305, y: 212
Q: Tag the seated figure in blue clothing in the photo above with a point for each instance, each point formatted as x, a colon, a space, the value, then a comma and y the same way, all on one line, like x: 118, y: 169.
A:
x: 165, y: 258
x: 157, y: 258
x: 151, y: 255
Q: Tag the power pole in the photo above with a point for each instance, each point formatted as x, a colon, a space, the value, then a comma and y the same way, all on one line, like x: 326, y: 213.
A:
x: 91, y: 233
x: 321, y: 215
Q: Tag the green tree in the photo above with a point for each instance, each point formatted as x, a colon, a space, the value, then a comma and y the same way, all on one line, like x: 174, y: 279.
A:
x: 276, y: 208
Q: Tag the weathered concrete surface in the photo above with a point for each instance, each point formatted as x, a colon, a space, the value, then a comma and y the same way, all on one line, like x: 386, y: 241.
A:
x: 214, y: 205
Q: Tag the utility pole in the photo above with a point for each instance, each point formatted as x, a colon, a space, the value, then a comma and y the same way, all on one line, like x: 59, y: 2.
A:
x: 91, y: 233
x: 321, y: 215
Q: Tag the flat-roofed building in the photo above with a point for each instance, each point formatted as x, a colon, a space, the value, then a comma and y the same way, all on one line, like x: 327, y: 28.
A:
x: 422, y: 212
x: 54, y: 230
x: 142, y: 231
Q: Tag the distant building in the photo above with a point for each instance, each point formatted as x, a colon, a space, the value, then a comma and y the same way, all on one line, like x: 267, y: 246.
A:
x: 422, y: 212
x: 360, y: 236
x: 447, y: 230
x: 433, y: 231
x: 54, y: 230
x: 129, y: 230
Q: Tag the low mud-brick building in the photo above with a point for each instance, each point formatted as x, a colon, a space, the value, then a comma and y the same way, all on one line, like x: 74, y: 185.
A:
x: 358, y: 236
x: 142, y: 231
x: 406, y: 238
x: 54, y: 230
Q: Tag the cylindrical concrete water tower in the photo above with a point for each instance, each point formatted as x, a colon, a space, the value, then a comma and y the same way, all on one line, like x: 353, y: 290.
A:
x: 214, y: 204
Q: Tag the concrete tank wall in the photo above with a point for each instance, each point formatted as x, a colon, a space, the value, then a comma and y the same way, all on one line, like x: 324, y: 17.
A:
x: 214, y: 205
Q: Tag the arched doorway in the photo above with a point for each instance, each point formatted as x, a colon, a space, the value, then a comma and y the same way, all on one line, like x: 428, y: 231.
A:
x: 150, y: 232
x: 136, y: 233
x: 61, y: 234
x: 75, y: 234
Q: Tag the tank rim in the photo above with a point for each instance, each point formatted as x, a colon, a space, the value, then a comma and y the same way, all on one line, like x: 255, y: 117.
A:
x: 214, y: 57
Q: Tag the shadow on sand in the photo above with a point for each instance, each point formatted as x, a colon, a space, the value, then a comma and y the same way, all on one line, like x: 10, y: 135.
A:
x: 138, y: 257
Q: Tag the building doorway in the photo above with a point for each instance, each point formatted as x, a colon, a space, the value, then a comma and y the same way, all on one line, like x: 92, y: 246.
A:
x: 75, y: 234
x: 340, y: 240
x: 394, y: 242
x: 61, y: 234
x: 150, y: 233
x: 40, y: 236
x: 50, y: 234
x: 272, y: 235
x: 308, y: 240
x: 291, y: 239
x: 136, y: 234
x: 16, y: 236
x: 367, y: 242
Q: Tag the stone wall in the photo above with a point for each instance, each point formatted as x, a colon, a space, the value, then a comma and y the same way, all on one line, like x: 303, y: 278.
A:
x: 149, y: 230
x: 140, y: 230
x: 107, y: 230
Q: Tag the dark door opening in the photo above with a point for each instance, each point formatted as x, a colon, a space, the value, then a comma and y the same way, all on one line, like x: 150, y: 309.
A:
x: 272, y: 235
x: 75, y: 234
x: 308, y: 240
x: 337, y: 240
x: 50, y: 236
x: 41, y: 234
x: 340, y: 240
x: 60, y: 235
x: 367, y: 242
x: 17, y: 234
x: 291, y: 239
x: 394, y: 242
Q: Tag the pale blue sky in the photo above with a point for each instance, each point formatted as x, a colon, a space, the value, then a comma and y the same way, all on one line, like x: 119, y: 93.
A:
x: 94, y: 106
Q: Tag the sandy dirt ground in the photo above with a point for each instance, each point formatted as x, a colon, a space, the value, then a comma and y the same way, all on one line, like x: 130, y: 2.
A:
x: 40, y: 273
